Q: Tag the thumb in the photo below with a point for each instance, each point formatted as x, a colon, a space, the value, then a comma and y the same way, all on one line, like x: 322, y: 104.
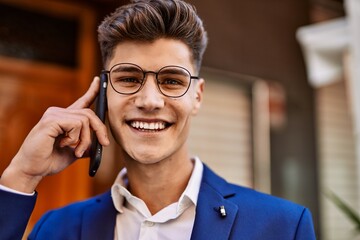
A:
x: 88, y: 98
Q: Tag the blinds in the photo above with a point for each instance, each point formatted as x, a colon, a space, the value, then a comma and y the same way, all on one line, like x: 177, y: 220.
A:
x: 337, y: 160
x: 221, y: 132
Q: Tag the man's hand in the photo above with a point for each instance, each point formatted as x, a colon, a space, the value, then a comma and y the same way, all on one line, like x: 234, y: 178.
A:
x: 57, y: 140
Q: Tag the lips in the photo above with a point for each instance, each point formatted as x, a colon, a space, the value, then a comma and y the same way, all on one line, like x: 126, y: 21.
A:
x: 149, y: 125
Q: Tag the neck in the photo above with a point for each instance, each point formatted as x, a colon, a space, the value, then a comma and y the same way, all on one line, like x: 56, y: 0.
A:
x: 159, y: 184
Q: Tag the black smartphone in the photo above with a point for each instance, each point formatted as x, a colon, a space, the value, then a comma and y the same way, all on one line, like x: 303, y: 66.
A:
x: 100, y: 110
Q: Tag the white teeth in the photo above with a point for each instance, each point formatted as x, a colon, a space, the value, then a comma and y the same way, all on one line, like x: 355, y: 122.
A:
x: 148, y: 126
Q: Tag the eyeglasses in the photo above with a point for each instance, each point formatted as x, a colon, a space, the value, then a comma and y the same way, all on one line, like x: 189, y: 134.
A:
x: 128, y: 78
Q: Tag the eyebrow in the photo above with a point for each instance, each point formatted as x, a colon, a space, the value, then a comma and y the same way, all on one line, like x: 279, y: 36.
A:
x: 126, y: 69
x: 174, y: 71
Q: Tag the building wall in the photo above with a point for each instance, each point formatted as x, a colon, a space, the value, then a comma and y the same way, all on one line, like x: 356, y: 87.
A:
x: 257, y: 38
x: 337, y: 160
x: 221, y: 134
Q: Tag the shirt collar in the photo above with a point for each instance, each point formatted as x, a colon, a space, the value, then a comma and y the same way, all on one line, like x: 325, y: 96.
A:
x: 193, y: 187
x: 119, y: 190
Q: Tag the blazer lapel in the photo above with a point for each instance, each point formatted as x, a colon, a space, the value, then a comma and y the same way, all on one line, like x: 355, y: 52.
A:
x: 209, y: 223
x: 99, y: 220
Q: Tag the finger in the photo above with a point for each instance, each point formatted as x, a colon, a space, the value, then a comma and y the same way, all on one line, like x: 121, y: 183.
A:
x: 88, y: 98
x: 72, y: 124
x: 71, y: 138
x: 84, y: 143
x: 102, y: 135
x: 97, y: 126
x: 75, y: 127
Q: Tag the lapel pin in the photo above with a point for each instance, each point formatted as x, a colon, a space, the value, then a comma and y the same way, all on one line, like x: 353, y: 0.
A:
x: 222, y: 211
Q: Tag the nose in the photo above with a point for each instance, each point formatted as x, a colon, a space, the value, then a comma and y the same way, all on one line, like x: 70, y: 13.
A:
x: 149, y: 97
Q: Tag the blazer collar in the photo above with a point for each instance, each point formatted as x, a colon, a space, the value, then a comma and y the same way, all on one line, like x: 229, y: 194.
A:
x: 214, y: 193
x: 99, y: 220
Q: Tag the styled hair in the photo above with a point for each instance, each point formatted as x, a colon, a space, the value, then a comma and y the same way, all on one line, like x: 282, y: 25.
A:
x: 149, y: 20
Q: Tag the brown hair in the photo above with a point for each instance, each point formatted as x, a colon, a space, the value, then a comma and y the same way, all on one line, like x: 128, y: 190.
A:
x: 148, y: 20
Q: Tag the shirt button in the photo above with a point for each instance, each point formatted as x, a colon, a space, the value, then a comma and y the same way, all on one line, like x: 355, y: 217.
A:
x: 149, y: 224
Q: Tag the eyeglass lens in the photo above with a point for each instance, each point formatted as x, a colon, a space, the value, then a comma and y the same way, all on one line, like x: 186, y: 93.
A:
x: 172, y: 81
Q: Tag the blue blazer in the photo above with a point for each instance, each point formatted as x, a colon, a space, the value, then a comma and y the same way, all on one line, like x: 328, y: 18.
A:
x: 250, y: 215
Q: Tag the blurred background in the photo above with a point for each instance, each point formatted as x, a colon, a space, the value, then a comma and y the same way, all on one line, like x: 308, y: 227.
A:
x: 281, y: 107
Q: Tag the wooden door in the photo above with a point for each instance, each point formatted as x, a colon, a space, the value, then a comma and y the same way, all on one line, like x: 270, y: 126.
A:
x: 29, y: 86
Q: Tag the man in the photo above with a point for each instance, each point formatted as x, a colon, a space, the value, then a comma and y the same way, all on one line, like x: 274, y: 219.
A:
x: 152, y: 51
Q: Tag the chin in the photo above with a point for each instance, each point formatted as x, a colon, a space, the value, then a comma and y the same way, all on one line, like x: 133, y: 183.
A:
x: 146, y: 158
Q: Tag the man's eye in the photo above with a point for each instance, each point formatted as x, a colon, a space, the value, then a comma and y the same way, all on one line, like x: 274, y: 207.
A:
x: 171, y: 81
x: 126, y: 79
x: 129, y: 80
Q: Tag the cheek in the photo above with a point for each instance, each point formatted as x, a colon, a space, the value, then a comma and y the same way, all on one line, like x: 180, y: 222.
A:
x: 115, y: 100
x: 193, y: 103
x: 110, y: 107
x: 186, y: 109
x: 196, y: 107
x: 115, y: 105
x: 115, y: 111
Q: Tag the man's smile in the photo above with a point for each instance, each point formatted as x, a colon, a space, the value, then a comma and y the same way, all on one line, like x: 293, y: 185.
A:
x: 149, y: 125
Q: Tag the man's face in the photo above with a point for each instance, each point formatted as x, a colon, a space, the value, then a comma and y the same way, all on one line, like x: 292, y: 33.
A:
x: 133, y: 117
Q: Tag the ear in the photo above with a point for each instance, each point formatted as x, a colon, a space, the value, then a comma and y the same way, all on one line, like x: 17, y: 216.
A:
x: 199, y: 92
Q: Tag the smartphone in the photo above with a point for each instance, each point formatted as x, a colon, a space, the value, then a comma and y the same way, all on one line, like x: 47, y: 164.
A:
x: 100, y: 110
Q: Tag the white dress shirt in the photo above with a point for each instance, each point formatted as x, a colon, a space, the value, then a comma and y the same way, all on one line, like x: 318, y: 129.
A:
x: 6, y: 189
x: 135, y: 222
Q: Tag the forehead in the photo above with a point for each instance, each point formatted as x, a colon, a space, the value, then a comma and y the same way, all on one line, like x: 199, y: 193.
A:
x: 153, y: 55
